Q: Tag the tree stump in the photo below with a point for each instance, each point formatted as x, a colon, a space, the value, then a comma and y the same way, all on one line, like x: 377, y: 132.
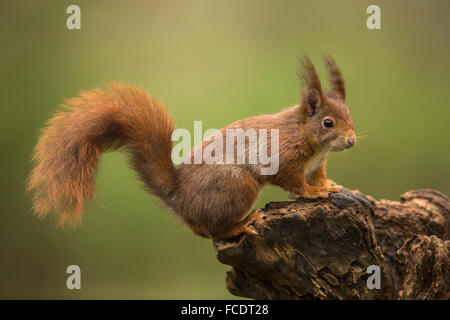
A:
x: 321, y: 249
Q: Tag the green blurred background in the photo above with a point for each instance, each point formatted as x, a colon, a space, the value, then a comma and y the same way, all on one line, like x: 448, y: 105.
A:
x: 216, y: 61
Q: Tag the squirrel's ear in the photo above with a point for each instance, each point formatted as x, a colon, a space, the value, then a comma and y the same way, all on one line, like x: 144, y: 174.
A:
x: 311, y: 101
x: 312, y: 96
x: 335, y: 77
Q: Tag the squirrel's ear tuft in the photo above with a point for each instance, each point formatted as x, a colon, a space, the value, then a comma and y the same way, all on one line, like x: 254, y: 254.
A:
x: 335, y: 77
x: 311, y: 100
x: 312, y: 96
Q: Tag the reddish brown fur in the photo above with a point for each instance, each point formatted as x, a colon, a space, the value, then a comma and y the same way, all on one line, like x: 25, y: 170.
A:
x: 212, y: 199
x: 69, y: 148
x: 336, y: 78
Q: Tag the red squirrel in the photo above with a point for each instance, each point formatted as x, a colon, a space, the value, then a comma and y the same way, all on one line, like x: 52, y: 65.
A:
x: 212, y: 199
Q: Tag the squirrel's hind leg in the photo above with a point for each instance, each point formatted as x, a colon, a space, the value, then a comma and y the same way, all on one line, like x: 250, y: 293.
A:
x: 243, y: 227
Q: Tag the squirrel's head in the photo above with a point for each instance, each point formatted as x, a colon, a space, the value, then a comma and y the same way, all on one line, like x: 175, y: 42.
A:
x: 325, y: 118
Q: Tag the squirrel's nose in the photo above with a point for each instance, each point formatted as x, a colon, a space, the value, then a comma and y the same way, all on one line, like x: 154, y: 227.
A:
x: 351, y: 140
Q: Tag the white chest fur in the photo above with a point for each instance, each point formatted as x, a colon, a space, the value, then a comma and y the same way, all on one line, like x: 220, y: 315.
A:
x: 314, y: 163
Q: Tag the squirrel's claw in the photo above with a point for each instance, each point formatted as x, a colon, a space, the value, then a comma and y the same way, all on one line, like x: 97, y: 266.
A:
x: 334, y: 188
x: 250, y: 230
x: 243, y: 227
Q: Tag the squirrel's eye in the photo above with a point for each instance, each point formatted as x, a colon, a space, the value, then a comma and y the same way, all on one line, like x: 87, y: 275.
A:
x: 328, y: 123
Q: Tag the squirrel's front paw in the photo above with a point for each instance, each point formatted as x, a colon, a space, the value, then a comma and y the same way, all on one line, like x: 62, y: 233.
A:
x: 333, y: 188
x: 318, y: 194
x: 312, y: 193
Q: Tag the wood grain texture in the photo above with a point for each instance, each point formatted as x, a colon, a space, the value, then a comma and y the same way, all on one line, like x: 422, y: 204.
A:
x: 321, y: 248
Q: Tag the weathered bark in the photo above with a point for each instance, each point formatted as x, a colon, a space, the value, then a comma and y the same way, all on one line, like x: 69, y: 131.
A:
x: 420, y: 212
x: 320, y: 249
x: 424, y: 268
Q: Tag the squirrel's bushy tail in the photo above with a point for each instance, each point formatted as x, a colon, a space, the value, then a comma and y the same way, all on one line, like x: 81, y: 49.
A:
x: 69, y: 149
